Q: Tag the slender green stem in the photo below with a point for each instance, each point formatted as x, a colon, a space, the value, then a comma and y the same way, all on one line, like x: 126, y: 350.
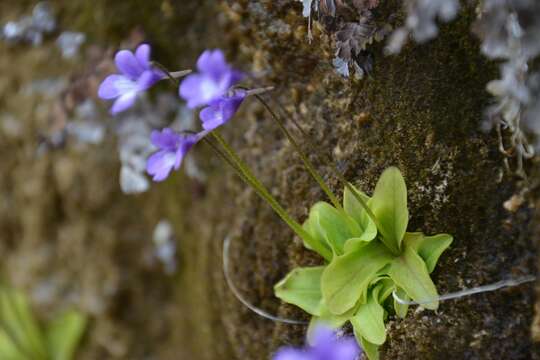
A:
x: 336, y: 172
x: 309, y: 166
x: 230, y: 156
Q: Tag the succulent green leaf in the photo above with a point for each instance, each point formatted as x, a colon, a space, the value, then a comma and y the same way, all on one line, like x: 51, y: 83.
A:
x: 429, y: 248
x: 349, y: 275
x: 410, y: 273
x: 369, y: 319
x: 389, y: 204
x: 64, y: 334
x: 8, y: 349
x: 386, y: 285
x: 354, y: 244
x: 354, y: 209
x: 335, y: 226
x: 17, y: 321
x: 302, y: 287
x: 401, y: 309
x: 370, y: 349
x: 319, y: 245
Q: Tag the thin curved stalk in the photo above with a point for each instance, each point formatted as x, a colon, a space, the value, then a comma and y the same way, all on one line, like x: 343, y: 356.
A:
x: 309, y: 166
x: 230, y: 156
x: 327, y: 158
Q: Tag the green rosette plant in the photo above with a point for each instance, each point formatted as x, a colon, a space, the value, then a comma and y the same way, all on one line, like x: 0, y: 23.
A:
x: 22, y: 337
x: 371, y: 256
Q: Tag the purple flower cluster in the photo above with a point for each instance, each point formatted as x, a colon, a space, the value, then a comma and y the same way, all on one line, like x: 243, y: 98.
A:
x: 211, y: 87
x: 326, y: 346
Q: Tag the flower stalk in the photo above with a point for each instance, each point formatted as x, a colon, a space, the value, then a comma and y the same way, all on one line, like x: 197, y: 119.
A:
x: 230, y: 156
x: 309, y: 166
x: 314, y: 149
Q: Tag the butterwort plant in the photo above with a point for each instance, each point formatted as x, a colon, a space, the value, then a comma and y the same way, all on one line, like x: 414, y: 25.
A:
x: 367, y: 251
x: 372, y: 256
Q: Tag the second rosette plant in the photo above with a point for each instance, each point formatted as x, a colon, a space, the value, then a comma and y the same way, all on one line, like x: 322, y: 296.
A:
x: 369, y: 255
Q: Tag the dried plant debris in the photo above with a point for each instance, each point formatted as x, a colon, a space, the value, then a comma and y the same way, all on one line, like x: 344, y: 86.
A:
x: 510, y: 31
x: 352, y: 41
x: 69, y: 43
x: 354, y: 28
x: 165, y: 245
x: 31, y: 29
x: 421, y: 21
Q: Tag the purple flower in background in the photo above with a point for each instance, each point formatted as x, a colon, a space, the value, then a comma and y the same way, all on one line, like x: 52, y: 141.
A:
x: 214, y: 79
x: 136, y: 75
x: 172, y: 149
x: 325, y: 347
x: 221, y: 110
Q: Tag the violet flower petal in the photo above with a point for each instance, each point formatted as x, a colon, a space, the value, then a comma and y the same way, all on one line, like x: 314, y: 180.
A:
x: 147, y: 79
x: 200, y: 90
x: 142, y: 54
x: 128, y: 64
x: 214, y: 79
x: 289, y: 353
x: 325, y: 347
x: 124, y: 102
x: 213, y: 63
x: 173, y: 147
x: 112, y: 87
x: 160, y: 164
x: 346, y: 349
x: 186, y: 144
x: 221, y: 111
x: 165, y: 139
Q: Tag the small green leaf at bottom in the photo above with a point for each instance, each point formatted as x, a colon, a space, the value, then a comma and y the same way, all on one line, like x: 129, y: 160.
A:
x: 369, y: 319
x: 64, y: 333
x: 371, y: 350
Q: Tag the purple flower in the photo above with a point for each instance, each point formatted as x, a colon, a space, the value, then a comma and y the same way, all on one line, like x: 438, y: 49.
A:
x: 325, y: 347
x: 172, y: 149
x: 136, y: 75
x: 221, y: 110
x: 214, y: 79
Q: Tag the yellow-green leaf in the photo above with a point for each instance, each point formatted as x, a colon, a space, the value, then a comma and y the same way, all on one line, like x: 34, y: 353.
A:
x: 389, y: 204
x: 410, y: 273
x: 401, y: 309
x: 371, y: 350
x: 19, y: 324
x: 369, y: 319
x: 429, y: 248
x: 8, y: 348
x: 335, y: 226
x: 302, y: 287
x: 354, y: 209
x: 64, y: 334
x: 319, y: 244
x: 349, y: 275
